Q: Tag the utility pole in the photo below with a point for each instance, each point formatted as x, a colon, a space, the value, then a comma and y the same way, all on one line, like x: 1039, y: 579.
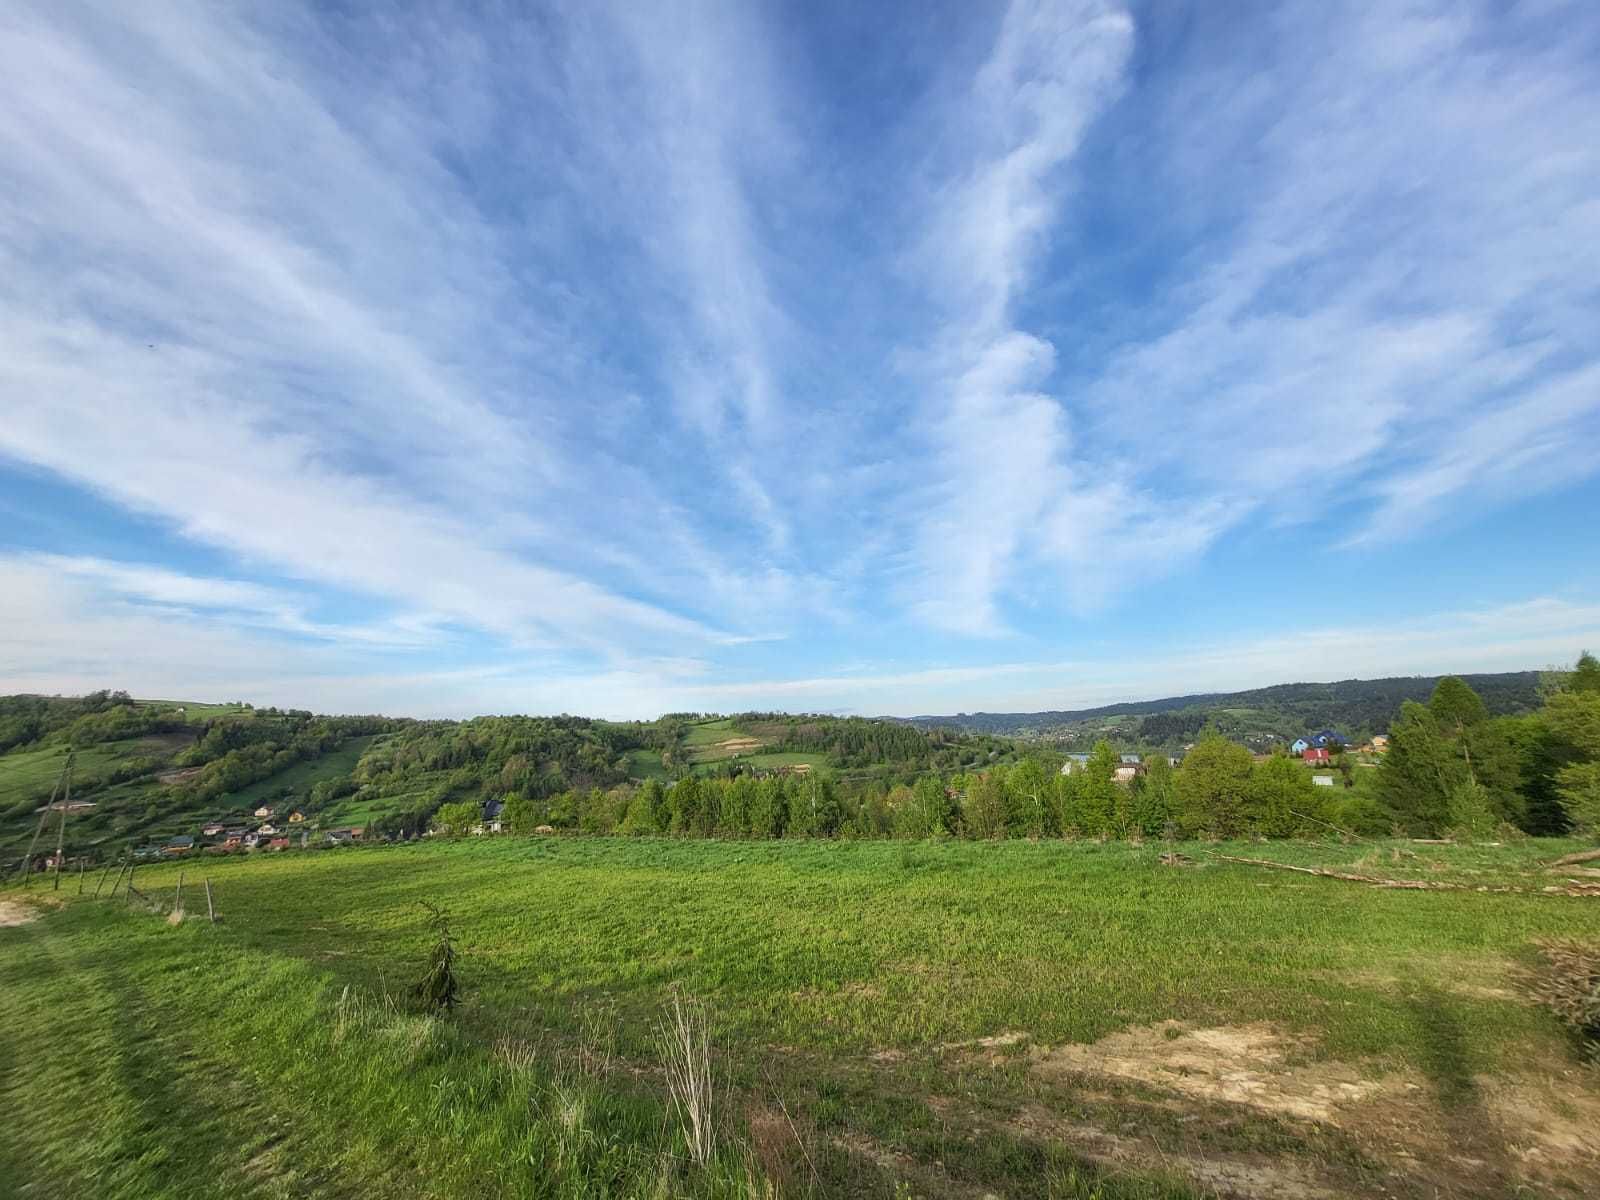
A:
x: 61, y: 829
x: 26, y: 869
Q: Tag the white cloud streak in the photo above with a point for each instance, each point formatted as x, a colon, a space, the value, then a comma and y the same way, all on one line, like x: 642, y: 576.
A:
x: 92, y: 627
x: 1000, y: 442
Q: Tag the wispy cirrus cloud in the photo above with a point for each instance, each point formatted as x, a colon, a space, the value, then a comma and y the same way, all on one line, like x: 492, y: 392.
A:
x: 1001, y: 443
x: 1386, y: 235
x: 712, y: 343
x: 313, y: 346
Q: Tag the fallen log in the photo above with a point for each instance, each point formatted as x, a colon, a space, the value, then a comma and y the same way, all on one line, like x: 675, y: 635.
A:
x: 1572, y: 860
x: 1372, y: 880
x: 1575, y: 888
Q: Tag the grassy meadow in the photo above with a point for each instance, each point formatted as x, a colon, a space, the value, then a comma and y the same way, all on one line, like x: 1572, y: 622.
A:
x: 888, y: 1019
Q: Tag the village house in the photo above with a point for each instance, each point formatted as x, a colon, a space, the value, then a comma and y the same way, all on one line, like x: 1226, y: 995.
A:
x: 491, y: 822
x: 1315, y: 755
x: 278, y: 843
x: 233, y: 840
x: 1075, y: 762
x: 265, y: 810
x: 1380, y: 742
x: 296, y: 817
x: 268, y: 829
x: 179, y: 845
x: 1299, y: 746
x: 1322, y: 780
x: 340, y: 837
x: 212, y: 828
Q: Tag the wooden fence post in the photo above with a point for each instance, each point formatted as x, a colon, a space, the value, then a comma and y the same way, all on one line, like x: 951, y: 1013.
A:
x: 177, y: 900
x: 81, y: 864
x: 211, y: 911
x: 127, y: 895
x: 101, y: 882
x: 127, y: 865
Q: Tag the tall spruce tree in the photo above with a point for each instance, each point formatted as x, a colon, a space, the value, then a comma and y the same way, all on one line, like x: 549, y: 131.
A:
x: 1419, y: 773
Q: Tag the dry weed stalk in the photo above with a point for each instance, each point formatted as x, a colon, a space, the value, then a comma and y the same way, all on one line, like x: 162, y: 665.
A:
x: 685, y: 1042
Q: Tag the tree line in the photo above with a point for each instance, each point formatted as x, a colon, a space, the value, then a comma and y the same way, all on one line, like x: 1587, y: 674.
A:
x: 1219, y: 790
x: 1453, y: 767
x: 1450, y: 769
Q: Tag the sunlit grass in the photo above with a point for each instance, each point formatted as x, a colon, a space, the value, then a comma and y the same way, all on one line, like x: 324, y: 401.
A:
x: 270, y: 1055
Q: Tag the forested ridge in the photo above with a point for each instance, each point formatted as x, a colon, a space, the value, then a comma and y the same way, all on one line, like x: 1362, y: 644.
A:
x: 145, y: 771
x: 1359, y: 707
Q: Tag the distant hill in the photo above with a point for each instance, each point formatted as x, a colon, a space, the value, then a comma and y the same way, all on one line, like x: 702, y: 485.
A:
x: 1357, y: 707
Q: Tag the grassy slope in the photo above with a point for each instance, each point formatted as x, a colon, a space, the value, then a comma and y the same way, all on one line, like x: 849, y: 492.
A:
x: 1066, y: 941
x: 31, y: 774
x: 816, y: 958
x: 646, y: 764
x: 121, y: 810
x: 198, y: 713
x: 298, y: 779
x: 232, y: 1060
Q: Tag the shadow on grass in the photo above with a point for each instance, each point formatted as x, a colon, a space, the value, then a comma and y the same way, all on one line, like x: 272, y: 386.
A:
x: 1449, y: 1060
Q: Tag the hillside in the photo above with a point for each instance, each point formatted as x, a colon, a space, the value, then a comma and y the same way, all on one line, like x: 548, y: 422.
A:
x: 1282, y: 712
x: 149, y: 770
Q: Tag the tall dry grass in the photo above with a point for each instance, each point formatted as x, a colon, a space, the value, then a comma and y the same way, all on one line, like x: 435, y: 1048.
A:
x: 685, y: 1040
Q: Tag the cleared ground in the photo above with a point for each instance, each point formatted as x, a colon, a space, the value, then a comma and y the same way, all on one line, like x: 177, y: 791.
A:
x: 946, y: 1019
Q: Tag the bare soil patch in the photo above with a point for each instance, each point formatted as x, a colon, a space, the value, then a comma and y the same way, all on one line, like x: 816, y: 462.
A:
x: 1540, y: 1127
x: 1242, y: 1064
x: 13, y: 912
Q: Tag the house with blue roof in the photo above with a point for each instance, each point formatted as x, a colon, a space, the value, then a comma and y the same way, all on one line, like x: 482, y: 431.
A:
x: 1075, y: 762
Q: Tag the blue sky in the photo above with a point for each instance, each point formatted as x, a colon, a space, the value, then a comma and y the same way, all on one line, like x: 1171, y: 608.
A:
x: 620, y: 358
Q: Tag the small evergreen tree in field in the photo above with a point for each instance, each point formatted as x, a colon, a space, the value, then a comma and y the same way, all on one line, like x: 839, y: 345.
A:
x: 1420, y: 772
x: 438, y: 988
x: 1472, y: 814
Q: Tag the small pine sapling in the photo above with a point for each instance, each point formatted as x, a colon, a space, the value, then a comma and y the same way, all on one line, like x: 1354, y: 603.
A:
x: 438, y: 988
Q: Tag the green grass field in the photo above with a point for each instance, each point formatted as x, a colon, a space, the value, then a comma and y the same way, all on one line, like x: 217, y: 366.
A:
x: 295, y: 781
x: 891, y: 1019
x: 27, y: 777
x: 789, y: 758
x: 646, y: 764
x: 196, y: 712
